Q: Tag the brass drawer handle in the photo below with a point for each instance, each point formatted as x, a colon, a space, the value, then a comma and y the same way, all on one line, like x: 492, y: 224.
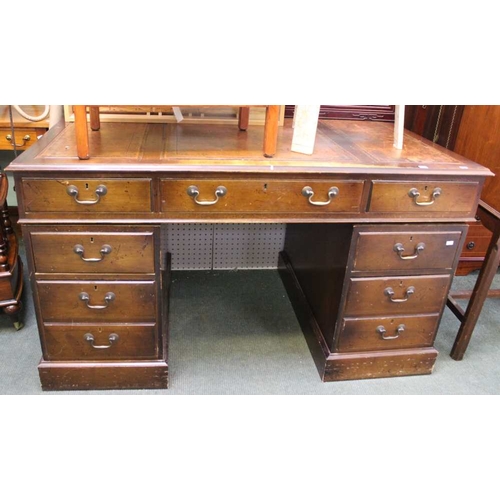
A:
x: 390, y: 292
x: 194, y: 192
x: 113, y: 337
x: 108, y: 298
x: 399, y: 249
x: 105, y: 250
x: 101, y: 190
x: 414, y: 193
x: 382, y: 331
x: 26, y: 138
x: 308, y: 192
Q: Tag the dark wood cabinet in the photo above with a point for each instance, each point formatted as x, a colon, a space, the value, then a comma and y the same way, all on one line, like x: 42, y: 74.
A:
x: 352, y: 112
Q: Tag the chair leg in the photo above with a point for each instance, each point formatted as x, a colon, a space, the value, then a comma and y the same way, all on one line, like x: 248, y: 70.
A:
x: 476, y: 302
x: 243, y: 117
x: 271, y: 131
x: 95, y: 122
x: 82, y: 134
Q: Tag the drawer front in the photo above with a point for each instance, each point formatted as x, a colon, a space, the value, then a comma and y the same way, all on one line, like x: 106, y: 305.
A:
x: 256, y: 196
x: 384, y: 333
x: 406, y: 250
x: 91, y: 252
x: 422, y: 197
x: 24, y: 138
x: 87, y: 195
x: 396, y: 295
x: 99, y: 342
x: 477, y: 241
x: 96, y: 301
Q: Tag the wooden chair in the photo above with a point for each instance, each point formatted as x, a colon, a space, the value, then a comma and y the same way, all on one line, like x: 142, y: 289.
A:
x: 11, y: 269
x: 82, y: 138
x: 468, y: 319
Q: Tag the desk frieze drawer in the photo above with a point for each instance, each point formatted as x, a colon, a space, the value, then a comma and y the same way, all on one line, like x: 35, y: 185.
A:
x: 93, y: 252
x: 373, y: 334
x: 87, y: 195
x: 379, y: 250
x: 424, y: 197
x: 94, y: 342
x: 96, y: 301
x: 23, y: 138
x: 396, y: 295
x: 229, y: 195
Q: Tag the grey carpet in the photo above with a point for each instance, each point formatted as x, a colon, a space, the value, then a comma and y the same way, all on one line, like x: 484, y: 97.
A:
x: 236, y: 333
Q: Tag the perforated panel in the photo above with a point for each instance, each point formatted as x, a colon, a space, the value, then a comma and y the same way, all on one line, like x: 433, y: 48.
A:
x: 223, y: 246
x: 247, y: 246
x: 191, y: 245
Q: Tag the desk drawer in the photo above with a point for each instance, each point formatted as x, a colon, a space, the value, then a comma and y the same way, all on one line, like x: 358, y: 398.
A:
x: 24, y: 137
x: 93, y: 252
x: 96, y: 301
x: 228, y: 195
x: 406, y: 250
x: 422, y: 197
x: 396, y: 295
x: 93, y: 342
x: 87, y: 195
x: 384, y: 333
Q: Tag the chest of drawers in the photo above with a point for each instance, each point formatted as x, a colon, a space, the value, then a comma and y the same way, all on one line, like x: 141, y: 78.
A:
x: 371, y: 244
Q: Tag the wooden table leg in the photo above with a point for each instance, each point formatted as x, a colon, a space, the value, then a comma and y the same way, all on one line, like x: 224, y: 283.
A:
x: 243, y: 117
x: 481, y: 289
x: 95, y: 122
x: 271, y: 131
x: 82, y: 134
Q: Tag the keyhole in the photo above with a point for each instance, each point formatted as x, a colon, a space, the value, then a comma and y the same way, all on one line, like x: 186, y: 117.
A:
x: 411, y: 238
x: 425, y: 188
x: 86, y: 185
x: 95, y: 288
x: 91, y: 240
x: 265, y: 186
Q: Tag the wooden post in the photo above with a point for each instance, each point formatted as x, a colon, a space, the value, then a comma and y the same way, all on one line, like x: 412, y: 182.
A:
x: 95, y: 122
x: 399, y: 126
x: 82, y: 134
x: 243, y: 117
x: 271, y: 130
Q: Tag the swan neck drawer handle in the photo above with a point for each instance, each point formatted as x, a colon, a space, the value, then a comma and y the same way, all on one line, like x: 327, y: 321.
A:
x: 80, y: 250
x: 390, y: 293
x: 112, y: 339
x: 194, y: 192
x: 26, y: 139
x: 415, y: 194
x: 100, y: 190
x: 108, y: 298
x: 399, y: 249
x: 308, y: 192
x: 382, y: 331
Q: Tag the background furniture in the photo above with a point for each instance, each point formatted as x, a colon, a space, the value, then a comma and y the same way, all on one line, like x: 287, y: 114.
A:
x: 372, y: 241
x: 26, y: 132
x: 11, y: 268
x: 270, y: 127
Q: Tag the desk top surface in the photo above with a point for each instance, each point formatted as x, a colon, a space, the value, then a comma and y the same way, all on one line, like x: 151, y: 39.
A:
x: 341, y: 146
x: 19, y: 121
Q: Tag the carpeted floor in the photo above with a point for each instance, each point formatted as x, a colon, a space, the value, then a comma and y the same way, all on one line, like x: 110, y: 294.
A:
x: 234, y: 332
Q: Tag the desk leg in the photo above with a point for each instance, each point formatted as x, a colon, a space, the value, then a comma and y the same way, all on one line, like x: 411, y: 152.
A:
x: 479, y: 294
x: 271, y: 131
x: 82, y: 134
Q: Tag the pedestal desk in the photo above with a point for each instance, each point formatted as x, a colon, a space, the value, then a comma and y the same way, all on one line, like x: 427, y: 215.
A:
x: 373, y: 239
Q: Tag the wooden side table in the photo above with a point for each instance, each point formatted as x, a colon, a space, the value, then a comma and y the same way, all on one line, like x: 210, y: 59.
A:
x: 270, y: 127
x: 468, y: 319
x: 11, y: 268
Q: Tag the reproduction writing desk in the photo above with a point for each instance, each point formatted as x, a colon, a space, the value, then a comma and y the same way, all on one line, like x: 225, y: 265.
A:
x: 373, y: 240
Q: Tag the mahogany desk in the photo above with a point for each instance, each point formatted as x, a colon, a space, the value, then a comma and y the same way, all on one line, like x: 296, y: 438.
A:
x: 373, y: 240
